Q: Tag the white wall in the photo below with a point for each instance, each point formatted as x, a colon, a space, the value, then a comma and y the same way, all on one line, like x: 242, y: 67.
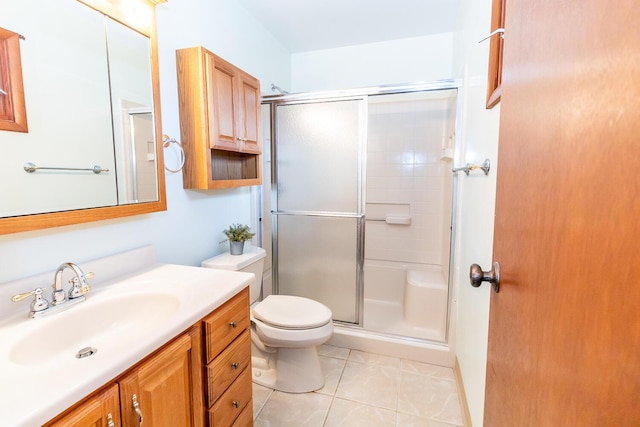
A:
x: 396, y: 61
x: 189, y: 231
x: 476, y: 199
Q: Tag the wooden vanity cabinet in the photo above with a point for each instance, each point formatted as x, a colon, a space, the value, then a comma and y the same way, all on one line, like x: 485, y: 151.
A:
x: 219, y: 121
x: 168, y: 386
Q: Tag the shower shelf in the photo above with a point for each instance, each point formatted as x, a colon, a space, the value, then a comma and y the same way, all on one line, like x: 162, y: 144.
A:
x: 393, y: 220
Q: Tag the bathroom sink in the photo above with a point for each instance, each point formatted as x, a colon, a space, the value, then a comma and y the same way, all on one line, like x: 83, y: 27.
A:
x: 115, y: 322
x: 125, y: 319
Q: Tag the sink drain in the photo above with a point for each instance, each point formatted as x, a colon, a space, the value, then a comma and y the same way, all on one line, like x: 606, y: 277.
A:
x: 86, y: 352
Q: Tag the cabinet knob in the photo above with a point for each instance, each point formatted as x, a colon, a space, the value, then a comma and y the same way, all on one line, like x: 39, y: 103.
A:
x: 236, y: 404
x: 235, y: 365
x: 233, y: 324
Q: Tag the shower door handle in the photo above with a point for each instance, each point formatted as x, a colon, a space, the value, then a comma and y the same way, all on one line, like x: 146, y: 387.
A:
x: 477, y: 276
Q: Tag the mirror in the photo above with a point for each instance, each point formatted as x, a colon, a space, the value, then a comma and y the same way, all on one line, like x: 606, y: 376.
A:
x: 92, y: 100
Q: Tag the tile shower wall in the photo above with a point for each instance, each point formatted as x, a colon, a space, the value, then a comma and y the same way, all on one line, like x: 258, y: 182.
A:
x: 405, y: 172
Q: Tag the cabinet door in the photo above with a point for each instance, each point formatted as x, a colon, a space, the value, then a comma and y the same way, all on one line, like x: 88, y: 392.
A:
x: 221, y: 82
x: 95, y: 412
x: 248, y: 120
x: 159, y: 392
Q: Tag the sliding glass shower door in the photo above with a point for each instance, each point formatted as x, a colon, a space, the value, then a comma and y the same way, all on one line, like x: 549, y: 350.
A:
x: 317, y: 202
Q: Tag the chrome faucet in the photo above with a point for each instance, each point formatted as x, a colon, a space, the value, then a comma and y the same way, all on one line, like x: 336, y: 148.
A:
x: 79, y: 283
x: 59, y: 300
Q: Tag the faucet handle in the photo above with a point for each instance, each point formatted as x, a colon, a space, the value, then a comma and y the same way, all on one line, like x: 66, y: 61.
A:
x: 38, y: 303
x: 25, y: 295
x: 80, y: 286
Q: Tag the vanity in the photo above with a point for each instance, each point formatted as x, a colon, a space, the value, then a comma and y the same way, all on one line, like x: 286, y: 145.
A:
x: 153, y: 345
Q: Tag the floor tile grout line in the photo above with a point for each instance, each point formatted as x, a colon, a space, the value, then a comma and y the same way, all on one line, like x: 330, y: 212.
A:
x: 326, y: 416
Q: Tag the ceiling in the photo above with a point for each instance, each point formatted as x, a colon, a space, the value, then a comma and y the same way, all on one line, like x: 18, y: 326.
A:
x: 304, y: 25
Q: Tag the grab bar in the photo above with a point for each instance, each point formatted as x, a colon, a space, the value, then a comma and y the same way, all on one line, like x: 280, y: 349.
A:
x: 30, y: 168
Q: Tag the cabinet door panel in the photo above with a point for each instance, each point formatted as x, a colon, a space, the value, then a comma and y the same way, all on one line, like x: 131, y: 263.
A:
x: 162, y: 387
x: 222, y: 105
x: 249, y: 119
x: 93, y: 412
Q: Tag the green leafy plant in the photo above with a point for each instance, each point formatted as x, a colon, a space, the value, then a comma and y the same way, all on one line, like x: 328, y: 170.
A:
x: 238, y: 233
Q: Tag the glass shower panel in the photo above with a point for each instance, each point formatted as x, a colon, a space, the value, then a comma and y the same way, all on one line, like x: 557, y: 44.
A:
x: 317, y: 156
x: 317, y: 260
x: 318, y: 202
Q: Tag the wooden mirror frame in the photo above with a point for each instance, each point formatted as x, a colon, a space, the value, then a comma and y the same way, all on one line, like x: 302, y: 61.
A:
x: 115, y: 10
x: 494, y: 80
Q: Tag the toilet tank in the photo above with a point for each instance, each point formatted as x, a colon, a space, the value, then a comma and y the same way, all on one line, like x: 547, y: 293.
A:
x: 251, y: 261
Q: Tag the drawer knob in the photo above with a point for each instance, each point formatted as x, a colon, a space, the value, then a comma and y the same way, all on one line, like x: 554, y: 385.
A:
x: 235, y: 365
x: 236, y: 404
x: 233, y: 324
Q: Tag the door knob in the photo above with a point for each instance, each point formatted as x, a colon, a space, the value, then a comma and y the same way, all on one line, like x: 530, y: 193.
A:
x: 477, y: 276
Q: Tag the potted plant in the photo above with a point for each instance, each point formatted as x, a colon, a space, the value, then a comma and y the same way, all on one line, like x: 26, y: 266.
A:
x: 237, y: 234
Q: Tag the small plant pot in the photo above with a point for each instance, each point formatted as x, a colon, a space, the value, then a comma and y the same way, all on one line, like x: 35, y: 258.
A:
x: 236, y: 248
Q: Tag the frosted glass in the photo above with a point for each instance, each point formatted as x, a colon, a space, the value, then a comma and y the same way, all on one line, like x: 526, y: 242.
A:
x: 317, y: 156
x: 317, y: 260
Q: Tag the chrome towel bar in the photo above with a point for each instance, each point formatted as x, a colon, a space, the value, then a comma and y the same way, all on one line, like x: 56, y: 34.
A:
x: 30, y: 167
x: 485, y: 166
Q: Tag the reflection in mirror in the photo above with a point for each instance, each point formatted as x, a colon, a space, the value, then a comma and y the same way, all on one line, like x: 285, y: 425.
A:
x: 67, y: 99
x: 87, y: 105
x: 132, y: 103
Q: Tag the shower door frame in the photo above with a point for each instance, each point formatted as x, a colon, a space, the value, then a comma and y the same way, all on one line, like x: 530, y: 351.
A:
x: 358, y: 216
x: 364, y: 93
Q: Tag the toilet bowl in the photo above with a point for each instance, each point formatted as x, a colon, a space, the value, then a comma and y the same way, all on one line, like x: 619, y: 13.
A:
x: 285, y: 329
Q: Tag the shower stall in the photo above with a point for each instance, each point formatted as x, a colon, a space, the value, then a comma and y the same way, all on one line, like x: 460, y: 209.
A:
x: 361, y: 210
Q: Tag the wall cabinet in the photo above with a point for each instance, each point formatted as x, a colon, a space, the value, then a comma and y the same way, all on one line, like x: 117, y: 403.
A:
x: 219, y: 121
x: 167, y: 388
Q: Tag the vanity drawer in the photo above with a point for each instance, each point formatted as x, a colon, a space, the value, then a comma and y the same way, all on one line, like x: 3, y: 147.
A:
x: 227, y: 366
x: 226, y: 324
x: 231, y: 404
x: 245, y: 419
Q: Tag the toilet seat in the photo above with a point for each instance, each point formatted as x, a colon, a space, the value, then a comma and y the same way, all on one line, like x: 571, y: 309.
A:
x: 292, y: 312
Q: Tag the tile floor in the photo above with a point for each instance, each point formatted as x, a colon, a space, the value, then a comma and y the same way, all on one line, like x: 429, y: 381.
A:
x: 365, y: 389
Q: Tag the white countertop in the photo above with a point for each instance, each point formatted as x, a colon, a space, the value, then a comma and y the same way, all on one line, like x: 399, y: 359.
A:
x: 32, y: 394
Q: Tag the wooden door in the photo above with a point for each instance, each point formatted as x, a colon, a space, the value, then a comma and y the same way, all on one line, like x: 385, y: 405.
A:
x: 97, y: 411
x: 564, y: 331
x: 164, y: 389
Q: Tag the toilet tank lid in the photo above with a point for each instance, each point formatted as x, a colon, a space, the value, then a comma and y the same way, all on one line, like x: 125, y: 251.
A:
x: 226, y: 261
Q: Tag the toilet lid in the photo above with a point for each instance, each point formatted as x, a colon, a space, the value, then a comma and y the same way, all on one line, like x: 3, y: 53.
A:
x: 291, y: 312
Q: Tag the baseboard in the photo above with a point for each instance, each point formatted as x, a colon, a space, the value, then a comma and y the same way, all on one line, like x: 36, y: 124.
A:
x: 466, y: 415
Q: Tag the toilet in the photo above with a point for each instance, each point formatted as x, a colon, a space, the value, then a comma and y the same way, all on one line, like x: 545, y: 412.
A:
x: 285, y: 329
